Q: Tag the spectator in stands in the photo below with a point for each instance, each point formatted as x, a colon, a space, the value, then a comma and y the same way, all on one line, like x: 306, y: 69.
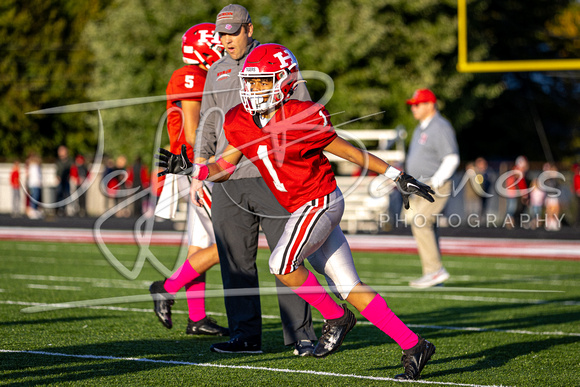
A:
x: 552, y: 201
x: 476, y: 191
x: 483, y: 178
x: 34, y: 184
x: 79, y: 173
x: 15, y: 184
x: 114, y: 179
x: 120, y: 185
x: 63, y: 165
x: 517, y: 199
x: 139, y: 178
x: 537, y: 198
x: 576, y: 189
x: 108, y: 182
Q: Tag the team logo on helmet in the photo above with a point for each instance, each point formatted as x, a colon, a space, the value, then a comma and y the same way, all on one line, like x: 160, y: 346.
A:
x: 286, y: 58
x: 201, y: 45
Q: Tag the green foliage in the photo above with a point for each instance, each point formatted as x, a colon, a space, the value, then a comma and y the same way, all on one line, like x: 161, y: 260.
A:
x: 526, y: 102
x: 137, y: 47
x: 64, y: 52
x: 377, y: 53
x: 43, y: 65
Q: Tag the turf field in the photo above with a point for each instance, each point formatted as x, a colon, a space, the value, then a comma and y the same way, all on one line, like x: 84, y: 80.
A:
x: 498, y: 321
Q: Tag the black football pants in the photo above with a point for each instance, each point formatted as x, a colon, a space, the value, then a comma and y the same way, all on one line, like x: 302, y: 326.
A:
x: 239, y: 208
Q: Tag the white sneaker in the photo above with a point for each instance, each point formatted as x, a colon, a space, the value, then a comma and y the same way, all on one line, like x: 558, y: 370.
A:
x: 432, y: 279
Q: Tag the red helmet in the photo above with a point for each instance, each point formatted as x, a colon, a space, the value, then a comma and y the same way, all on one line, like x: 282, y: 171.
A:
x: 201, y: 44
x: 272, y: 61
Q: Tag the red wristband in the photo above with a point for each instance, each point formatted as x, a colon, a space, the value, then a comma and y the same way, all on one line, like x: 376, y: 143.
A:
x: 226, y: 166
x: 200, y: 172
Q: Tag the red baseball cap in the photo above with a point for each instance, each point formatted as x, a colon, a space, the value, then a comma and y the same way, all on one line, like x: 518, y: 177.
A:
x: 422, y: 95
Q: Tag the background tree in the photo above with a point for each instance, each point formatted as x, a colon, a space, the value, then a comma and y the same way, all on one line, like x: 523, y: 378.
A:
x: 377, y: 52
x: 532, y: 103
x: 138, y: 46
x: 43, y: 65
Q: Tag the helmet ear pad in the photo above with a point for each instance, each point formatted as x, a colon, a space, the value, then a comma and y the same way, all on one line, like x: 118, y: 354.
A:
x: 287, y: 82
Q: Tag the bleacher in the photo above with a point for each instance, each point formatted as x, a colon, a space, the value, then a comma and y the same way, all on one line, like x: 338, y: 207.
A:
x: 366, y: 197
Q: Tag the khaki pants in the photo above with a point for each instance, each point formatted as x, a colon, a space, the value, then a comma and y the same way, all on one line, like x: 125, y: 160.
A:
x: 422, y: 216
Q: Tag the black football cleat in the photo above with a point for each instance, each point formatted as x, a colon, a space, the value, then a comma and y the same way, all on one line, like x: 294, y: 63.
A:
x: 303, y: 348
x: 237, y: 345
x: 162, y: 303
x: 333, y: 333
x: 206, y: 326
x: 414, y: 359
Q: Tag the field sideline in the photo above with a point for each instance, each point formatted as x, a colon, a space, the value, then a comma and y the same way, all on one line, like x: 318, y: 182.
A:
x: 498, y: 321
x: 498, y: 247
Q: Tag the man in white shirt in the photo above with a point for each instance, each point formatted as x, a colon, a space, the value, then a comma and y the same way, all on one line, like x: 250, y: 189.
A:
x: 432, y: 158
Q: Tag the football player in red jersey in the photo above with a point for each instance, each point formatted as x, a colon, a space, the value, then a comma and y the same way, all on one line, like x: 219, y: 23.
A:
x: 285, y: 139
x: 200, y: 47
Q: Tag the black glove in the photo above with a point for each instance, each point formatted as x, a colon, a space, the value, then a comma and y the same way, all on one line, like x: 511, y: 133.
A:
x: 408, y: 185
x: 177, y: 164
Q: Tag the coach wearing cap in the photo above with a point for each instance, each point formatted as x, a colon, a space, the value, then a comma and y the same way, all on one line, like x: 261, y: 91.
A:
x: 433, y: 156
x: 244, y: 203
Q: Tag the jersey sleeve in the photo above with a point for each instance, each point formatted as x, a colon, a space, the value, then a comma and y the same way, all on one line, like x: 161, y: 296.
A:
x: 320, y: 131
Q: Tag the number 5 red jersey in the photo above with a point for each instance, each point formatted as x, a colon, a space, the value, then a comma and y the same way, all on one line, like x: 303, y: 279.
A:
x: 186, y: 83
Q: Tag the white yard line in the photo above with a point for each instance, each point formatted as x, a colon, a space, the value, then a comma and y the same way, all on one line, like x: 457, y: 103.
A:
x: 273, y: 317
x: 240, y: 367
x: 55, y: 287
x: 266, y: 287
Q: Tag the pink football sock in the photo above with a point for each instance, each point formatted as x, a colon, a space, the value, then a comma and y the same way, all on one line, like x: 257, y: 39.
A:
x: 378, y: 313
x: 313, y: 293
x: 195, y: 292
x: 181, y: 277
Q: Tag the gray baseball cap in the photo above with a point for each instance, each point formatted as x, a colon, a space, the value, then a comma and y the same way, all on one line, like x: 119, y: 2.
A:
x: 231, y: 18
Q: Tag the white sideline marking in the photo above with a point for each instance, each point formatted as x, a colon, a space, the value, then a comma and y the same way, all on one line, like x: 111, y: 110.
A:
x: 484, y: 299
x: 268, y: 369
x: 208, y: 294
x: 55, y: 287
x: 273, y: 317
x: 488, y: 247
x: 268, y: 287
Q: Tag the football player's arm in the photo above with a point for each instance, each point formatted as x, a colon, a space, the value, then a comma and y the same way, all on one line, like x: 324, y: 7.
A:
x: 406, y: 184
x: 344, y: 149
x: 191, y: 110
x: 224, y: 165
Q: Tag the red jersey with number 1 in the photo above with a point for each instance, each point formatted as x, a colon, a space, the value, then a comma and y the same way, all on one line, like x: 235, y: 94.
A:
x: 287, y: 150
x: 186, y: 83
